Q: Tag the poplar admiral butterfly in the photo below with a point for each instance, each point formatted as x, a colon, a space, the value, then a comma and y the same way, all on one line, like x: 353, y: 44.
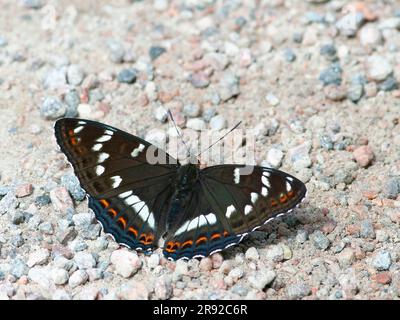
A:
x: 187, y: 211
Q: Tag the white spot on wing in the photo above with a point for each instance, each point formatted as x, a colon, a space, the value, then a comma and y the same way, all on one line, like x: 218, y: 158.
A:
x: 81, y: 122
x: 254, y: 197
x: 266, y: 174
x: 125, y: 194
x: 231, y: 209
x: 264, y: 191
x: 109, y: 132
x: 182, y: 228
x: 137, y: 150
x: 211, y: 218
x: 236, y: 175
x: 78, y: 129
x: 151, y: 221
x: 103, y: 156
x: 103, y: 138
x: 288, y: 187
x: 131, y: 200
x: 99, y: 170
x: 116, y: 181
x: 289, y: 179
x: 248, y: 209
x: 265, y: 181
x: 97, y: 147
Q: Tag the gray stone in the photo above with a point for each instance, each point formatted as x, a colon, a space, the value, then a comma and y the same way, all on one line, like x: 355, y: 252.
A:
x: 302, y: 236
x: 84, y: 260
x: 18, y: 217
x: 229, y: 86
x: 252, y: 254
x: 156, y: 51
x: 71, y: 182
x: 389, y: 84
x: 350, y: 23
x: 367, y: 229
x: 331, y: 75
x: 391, y: 187
x: 262, y: 279
x: 117, y: 51
x: 382, y: 260
x: 72, y: 100
x: 289, y: 55
x: 33, y: 4
x: 378, y: 68
x: 274, y: 157
x: 217, y: 122
x: 38, y: 257
x: 199, y: 80
x: 127, y: 75
x: 59, y: 276
x: 126, y: 263
x: 52, y: 108
x: 329, y: 51
x: 346, y: 257
x: 83, y: 220
x: 78, y: 278
x: 55, y: 79
x: 40, y: 275
x: 191, y: 110
x: 298, y: 290
x: 19, y: 268
x: 355, y: 92
x: 370, y: 36
x: 320, y: 241
x: 274, y: 253
x: 197, y: 124
x: 75, y: 75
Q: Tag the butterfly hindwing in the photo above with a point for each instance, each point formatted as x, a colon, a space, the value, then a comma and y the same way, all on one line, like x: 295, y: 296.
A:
x: 125, y: 190
x: 230, y: 205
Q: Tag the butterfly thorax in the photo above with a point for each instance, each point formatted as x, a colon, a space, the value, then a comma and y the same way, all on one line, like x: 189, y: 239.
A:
x: 187, y: 177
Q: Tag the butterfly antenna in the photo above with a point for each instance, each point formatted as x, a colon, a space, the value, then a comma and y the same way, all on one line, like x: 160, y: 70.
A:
x: 213, y: 144
x: 178, y: 132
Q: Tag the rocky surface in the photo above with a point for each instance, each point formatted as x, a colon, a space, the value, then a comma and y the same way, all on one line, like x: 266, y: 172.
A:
x: 316, y: 80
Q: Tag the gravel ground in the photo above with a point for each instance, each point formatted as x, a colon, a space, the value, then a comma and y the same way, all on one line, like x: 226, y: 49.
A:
x: 318, y: 80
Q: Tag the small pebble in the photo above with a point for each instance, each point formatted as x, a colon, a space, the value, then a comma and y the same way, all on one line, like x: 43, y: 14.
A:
x: 75, y: 75
x: 199, y: 80
x: 252, y: 254
x: 389, y: 84
x: 71, y: 182
x: 52, y: 108
x: 378, y: 68
x: 24, y: 190
x: 127, y: 76
x: 38, y: 257
x: 262, y: 279
x: 78, y: 278
x: 84, y: 260
x: 272, y: 99
x: 274, y: 157
x: 367, y: 229
x: 363, y: 155
x: 391, y: 187
x: 192, y: 110
x: 329, y: 51
x: 349, y: 24
x: 320, y: 241
x: 153, y: 261
x: 331, y: 75
x: 298, y: 290
x: 355, y: 92
x: 156, y: 51
x: 346, y: 257
x: 370, y: 36
x: 289, y: 55
x: 59, y: 276
x: 382, y: 261
x: 274, y: 253
x: 126, y: 263
x: 197, y: 124
x: 158, y: 137
x: 217, y: 122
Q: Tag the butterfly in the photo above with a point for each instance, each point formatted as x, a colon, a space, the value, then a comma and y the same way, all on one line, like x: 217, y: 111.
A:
x: 187, y: 211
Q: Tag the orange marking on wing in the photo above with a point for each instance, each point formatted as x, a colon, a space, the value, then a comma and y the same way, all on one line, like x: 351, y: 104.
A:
x: 123, y: 221
x: 133, y: 230
x: 290, y: 194
x: 226, y: 233
x: 216, y: 236
x: 113, y: 212
x: 71, y: 132
x: 187, y: 243
x: 283, y: 198
x: 73, y: 141
x: 273, y: 202
x: 201, y: 240
x: 104, y: 203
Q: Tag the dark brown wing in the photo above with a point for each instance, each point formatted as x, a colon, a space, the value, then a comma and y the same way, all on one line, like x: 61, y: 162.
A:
x: 127, y: 190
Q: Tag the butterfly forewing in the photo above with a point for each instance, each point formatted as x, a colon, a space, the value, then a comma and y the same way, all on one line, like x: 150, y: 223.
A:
x: 125, y: 190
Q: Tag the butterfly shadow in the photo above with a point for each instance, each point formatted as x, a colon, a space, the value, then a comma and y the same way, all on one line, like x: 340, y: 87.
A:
x: 281, y: 230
